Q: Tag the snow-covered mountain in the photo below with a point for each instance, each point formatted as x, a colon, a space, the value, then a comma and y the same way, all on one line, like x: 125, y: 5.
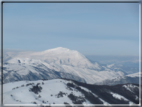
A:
x: 31, y: 69
x: 56, y: 63
x: 126, y: 68
x: 138, y: 74
x: 62, y: 56
x: 67, y: 92
x: 131, y: 78
x: 47, y: 77
x: 18, y: 69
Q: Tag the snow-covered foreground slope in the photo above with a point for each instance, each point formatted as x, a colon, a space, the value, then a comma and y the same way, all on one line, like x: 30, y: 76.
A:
x: 33, y: 69
x: 61, y: 91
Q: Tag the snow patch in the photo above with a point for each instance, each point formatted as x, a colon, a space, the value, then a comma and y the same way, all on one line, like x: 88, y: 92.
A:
x: 120, y: 97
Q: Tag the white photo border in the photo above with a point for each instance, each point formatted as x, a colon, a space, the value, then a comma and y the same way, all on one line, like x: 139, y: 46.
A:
x: 73, y: 1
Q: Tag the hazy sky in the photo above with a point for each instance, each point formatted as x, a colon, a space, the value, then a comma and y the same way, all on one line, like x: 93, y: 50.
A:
x: 90, y: 28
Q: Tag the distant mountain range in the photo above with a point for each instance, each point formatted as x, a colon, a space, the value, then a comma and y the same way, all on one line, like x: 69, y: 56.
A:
x: 132, y: 78
x: 67, y: 92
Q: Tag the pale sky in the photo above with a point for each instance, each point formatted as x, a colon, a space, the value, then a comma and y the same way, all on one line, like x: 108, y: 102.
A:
x: 90, y: 28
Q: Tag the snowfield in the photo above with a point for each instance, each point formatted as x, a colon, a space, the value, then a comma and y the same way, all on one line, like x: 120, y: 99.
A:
x: 49, y: 94
x: 61, y: 91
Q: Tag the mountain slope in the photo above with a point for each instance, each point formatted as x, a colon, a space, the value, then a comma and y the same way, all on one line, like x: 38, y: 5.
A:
x: 60, y: 91
x: 61, y: 56
x: 32, y: 69
x: 131, y: 78
x: 138, y: 74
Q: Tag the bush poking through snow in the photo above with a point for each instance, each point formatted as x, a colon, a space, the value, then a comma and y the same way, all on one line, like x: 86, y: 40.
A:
x: 22, y: 85
x: 39, y: 96
x: 76, y: 99
x: 34, y: 103
x: 67, y: 104
x: 36, y: 89
x: 60, y: 94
